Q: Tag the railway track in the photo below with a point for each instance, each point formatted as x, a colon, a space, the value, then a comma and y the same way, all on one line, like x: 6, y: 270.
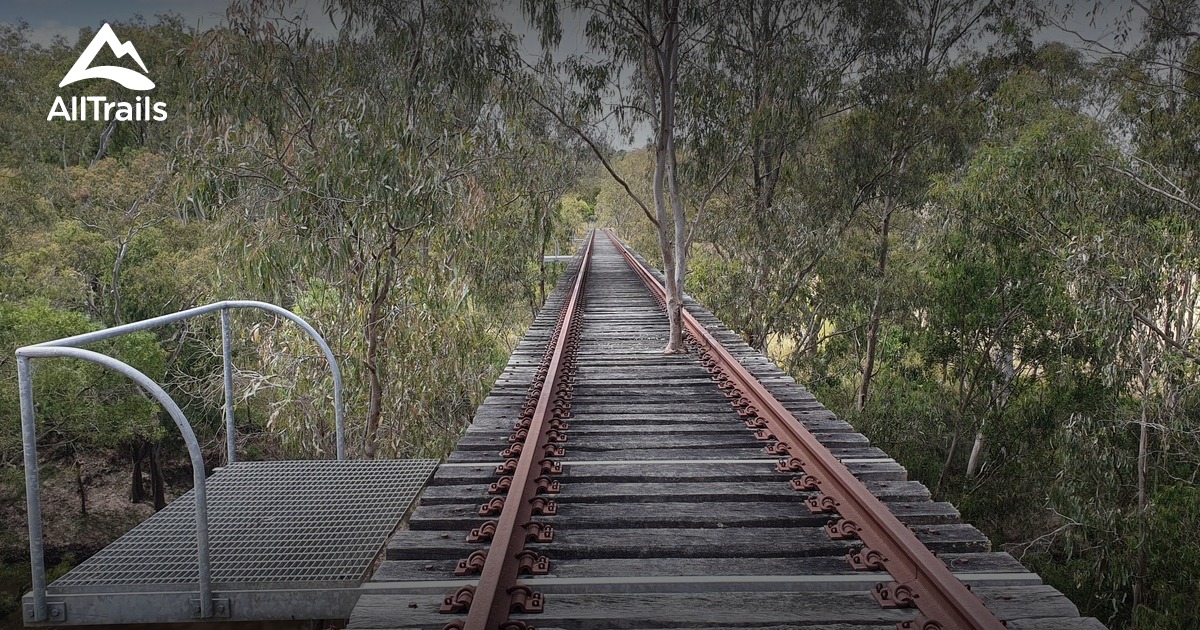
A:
x: 605, y: 485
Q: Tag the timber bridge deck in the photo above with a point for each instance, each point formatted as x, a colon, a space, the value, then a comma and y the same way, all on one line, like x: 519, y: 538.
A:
x: 667, y: 492
x: 602, y: 484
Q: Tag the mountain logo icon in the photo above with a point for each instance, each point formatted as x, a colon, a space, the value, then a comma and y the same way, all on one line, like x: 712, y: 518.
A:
x: 131, y: 79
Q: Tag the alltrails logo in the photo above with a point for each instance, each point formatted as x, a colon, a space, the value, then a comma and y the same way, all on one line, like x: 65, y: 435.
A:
x: 99, y: 107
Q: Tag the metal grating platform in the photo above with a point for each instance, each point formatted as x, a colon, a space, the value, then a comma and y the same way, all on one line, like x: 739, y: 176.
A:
x: 301, y: 526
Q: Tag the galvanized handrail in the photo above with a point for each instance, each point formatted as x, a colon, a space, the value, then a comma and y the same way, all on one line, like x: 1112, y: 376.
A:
x: 68, y: 347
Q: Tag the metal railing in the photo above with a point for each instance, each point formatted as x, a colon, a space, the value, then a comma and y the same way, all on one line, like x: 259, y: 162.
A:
x: 70, y: 347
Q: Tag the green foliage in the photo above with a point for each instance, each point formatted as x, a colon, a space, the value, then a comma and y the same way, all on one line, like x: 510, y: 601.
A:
x: 1038, y: 304
x: 80, y: 405
x: 368, y: 181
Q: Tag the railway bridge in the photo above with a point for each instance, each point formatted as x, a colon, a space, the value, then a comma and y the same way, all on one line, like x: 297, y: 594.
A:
x: 604, y: 484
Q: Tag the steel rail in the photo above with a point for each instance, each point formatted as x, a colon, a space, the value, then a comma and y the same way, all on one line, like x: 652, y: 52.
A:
x: 497, y: 592
x: 921, y: 579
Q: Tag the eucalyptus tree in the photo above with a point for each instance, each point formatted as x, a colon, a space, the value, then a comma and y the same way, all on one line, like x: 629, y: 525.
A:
x: 1158, y: 79
x: 1116, y: 262
x: 640, y: 46
x: 1150, y: 279
x: 540, y: 162
x: 360, y: 167
x: 81, y: 407
x: 915, y: 105
x: 769, y: 72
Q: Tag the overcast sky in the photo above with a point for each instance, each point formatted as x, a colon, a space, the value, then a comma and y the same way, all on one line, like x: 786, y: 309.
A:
x: 50, y: 18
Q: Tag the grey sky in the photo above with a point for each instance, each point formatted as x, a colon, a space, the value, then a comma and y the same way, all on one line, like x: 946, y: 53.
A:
x: 50, y: 18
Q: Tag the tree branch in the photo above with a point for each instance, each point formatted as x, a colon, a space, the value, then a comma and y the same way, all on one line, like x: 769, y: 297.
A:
x: 1152, y: 187
x: 587, y: 139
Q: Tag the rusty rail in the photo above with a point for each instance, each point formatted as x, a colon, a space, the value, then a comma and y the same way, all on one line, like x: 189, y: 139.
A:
x: 525, y: 478
x: 920, y: 579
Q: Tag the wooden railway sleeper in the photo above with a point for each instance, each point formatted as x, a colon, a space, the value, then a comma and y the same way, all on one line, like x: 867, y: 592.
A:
x: 917, y: 570
x: 511, y: 624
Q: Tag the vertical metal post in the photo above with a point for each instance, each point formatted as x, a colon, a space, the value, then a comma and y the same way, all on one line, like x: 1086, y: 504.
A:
x: 33, y: 499
x: 227, y: 365
x: 339, y: 412
x: 201, y: 495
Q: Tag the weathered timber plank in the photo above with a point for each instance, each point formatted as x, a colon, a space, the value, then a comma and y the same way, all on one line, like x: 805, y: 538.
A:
x: 963, y: 563
x: 677, y: 542
x: 690, y: 440
x: 909, y: 491
x: 465, y: 456
x: 710, y: 610
x: 753, y: 470
x: 673, y: 514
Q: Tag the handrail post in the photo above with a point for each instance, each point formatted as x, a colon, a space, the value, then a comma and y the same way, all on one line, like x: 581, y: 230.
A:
x: 202, y: 556
x: 159, y: 395
x: 33, y: 500
x: 69, y: 347
x: 227, y: 367
x: 76, y: 341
